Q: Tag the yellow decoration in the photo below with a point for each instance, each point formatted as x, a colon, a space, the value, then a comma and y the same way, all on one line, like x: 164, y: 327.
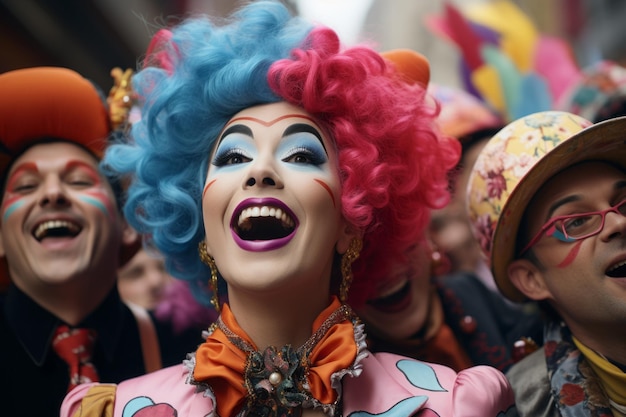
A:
x: 519, y: 35
x: 487, y: 81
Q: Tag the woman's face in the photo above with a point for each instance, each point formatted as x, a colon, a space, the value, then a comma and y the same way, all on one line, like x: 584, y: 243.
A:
x: 272, y: 201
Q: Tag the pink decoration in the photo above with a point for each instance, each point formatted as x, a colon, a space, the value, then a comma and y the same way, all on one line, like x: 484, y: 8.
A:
x: 556, y: 64
x: 181, y: 308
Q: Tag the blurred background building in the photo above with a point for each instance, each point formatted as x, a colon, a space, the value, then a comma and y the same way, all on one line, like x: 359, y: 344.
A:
x: 93, y: 36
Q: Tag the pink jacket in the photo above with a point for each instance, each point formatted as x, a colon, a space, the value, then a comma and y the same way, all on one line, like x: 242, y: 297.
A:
x: 389, y: 385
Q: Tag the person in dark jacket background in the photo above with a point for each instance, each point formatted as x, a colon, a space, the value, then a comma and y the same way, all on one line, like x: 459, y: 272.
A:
x: 62, y: 239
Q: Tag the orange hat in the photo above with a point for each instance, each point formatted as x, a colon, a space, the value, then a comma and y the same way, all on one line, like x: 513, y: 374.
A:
x: 49, y: 103
x: 412, y: 65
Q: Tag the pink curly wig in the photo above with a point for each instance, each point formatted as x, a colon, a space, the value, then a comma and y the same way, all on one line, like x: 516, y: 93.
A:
x: 393, y: 161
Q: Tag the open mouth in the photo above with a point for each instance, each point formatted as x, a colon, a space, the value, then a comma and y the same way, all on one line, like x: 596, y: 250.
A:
x: 617, y: 271
x: 263, y: 224
x: 394, y: 302
x: 56, y: 229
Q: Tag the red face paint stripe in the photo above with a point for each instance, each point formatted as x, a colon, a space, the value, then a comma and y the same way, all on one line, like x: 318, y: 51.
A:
x: 104, y: 199
x: 25, y: 167
x: 93, y: 173
x: 323, y: 184
x: 10, y: 201
x: 207, y: 187
x: 571, y: 256
x: 271, y: 122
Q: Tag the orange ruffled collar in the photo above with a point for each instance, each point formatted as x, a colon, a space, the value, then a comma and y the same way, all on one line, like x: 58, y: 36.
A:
x: 279, y: 381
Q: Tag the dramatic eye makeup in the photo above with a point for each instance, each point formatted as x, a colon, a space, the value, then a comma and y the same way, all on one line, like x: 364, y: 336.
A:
x: 86, y: 177
x: 22, y: 177
x: 302, y: 144
x: 235, y: 146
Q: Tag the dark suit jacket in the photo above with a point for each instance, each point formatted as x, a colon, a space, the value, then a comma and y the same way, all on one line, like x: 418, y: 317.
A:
x: 34, y: 380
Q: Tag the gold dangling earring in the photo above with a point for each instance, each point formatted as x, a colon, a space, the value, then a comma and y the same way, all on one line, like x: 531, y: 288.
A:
x: 210, y: 262
x: 347, y: 259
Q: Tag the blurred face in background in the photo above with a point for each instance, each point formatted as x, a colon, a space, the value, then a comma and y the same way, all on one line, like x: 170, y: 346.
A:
x: 450, y: 227
x: 402, y: 306
x: 143, y: 279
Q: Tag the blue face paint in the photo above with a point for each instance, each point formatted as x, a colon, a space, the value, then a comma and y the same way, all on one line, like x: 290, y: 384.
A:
x: 11, y: 209
x: 234, y: 150
x: 556, y: 233
x: 302, y: 150
x: 96, y: 203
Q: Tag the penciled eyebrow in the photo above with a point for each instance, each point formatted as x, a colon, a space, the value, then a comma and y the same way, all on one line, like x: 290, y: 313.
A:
x: 294, y: 128
x: 620, y: 185
x: 243, y: 129
x: 560, y: 203
x: 303, y: 127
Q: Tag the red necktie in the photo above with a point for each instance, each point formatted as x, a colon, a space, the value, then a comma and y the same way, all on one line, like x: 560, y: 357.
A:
x: 75, y: 346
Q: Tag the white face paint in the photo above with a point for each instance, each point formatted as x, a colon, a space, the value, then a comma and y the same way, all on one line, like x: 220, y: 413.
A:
x: 272, y: 201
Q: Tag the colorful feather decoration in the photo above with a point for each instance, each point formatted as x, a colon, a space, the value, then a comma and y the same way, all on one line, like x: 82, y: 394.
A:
x: 506, y: 62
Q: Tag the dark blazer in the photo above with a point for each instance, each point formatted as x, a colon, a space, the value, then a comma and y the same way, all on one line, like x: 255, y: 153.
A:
x: 34, y: 380
x: 499, y: 324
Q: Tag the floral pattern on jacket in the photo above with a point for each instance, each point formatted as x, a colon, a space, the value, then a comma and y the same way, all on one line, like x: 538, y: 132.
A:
x: 575, y: 387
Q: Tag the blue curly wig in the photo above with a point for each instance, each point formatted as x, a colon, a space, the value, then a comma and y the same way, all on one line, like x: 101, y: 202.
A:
x: 194, y: 79
x: 393, y: 162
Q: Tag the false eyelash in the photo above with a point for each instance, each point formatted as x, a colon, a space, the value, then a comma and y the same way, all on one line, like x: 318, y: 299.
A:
x: 314, y: 157
x: 222, y: 158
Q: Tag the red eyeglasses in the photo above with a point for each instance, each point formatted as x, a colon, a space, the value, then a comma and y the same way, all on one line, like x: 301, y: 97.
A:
x: 575, y: 227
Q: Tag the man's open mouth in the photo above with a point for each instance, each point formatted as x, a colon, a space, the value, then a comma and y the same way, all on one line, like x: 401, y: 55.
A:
x: 617, y: 271
x: 394, y: 302
x: 56, y: 229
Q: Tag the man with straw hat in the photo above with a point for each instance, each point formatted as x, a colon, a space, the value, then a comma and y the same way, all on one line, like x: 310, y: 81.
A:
x: 547, y: 198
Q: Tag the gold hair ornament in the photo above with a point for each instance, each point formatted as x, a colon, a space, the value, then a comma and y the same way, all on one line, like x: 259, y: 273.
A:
x: 353, y: 252
x: 121, y: 97
x: 209, y: 261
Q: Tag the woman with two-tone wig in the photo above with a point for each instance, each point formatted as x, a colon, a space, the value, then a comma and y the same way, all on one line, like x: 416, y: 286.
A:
x: 271, y: 158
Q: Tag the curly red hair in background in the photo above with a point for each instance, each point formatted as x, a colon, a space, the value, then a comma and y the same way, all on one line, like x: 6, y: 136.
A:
x: 393, y: 161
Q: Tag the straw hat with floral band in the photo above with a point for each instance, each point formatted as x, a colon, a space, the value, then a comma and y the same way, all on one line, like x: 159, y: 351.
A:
x: 516, y: 162
x: 51, y: 103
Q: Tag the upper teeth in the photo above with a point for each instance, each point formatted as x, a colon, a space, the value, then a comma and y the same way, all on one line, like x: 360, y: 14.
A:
x: 614, y: 267
x: 263, y: 211
x: 54, y: 224
x: 393, y: 289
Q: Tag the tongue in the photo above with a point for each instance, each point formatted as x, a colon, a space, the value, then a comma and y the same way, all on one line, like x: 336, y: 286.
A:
x: 58, y: 243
